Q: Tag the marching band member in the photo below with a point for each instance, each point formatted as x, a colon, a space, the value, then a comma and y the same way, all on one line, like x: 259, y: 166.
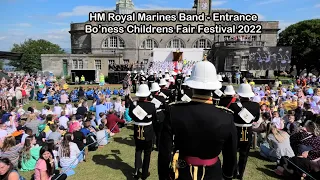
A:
x: 134, y: 81
x: 229, y: 98
x: 245, y: 113
x: 143, y: 114
x: 161, y: 105
x: 196, y: 140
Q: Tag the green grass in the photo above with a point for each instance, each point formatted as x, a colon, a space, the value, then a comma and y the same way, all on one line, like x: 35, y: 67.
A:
x: 116, y: 161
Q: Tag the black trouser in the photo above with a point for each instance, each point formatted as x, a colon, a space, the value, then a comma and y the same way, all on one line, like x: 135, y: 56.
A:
x: 209, y: 172
x: 157, y: 129
x: 57, y: 176
x: 146, y: 148
x: 244, y: 144
x: 134, y: 87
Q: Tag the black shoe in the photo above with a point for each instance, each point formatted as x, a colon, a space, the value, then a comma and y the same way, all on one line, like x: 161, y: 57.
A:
x: 136, y: 175
x: 145, y: 177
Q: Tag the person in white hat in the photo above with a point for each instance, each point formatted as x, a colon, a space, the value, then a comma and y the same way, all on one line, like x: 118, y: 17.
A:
x: 161, y: 105
x: 143, y: 114
x: 219, y: 78
x: 229, y: 98
x: 134, y: 79
x: 245, y: 113
x: 151, y: 79
x: 126, y: 84
x: 164, y: 91
x: 200, y: 131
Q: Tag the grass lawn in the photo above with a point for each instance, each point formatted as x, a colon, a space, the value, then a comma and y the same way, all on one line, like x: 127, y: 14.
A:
x: 116, y: 161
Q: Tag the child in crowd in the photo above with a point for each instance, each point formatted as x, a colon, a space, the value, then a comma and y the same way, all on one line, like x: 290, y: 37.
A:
x: 54, y: 135
x: 277, y: 120
x: 27, y: 132
x: 102, y: 135
x: 80, y: 139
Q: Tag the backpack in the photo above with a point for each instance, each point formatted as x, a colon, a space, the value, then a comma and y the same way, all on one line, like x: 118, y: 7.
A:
x: 92, y: 142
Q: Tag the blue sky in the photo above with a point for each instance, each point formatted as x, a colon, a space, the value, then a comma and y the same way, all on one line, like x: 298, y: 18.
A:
x: 50, y: 19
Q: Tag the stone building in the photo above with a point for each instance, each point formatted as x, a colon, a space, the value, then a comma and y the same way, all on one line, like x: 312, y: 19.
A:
x: 97, y: 51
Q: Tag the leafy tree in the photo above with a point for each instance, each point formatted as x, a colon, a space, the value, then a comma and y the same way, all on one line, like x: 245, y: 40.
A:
x: 304, y: 37
x: 32, y: 50
x: 1, y: 64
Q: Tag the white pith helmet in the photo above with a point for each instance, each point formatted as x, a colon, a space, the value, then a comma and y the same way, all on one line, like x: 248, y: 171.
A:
x: 204, y: 76
x: 143, y: 91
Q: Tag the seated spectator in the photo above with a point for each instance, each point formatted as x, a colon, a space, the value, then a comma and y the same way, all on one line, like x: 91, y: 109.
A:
x: 33, y: 123
x: 30, y: 154
x: 68, y: 152
x: 45, y: 167
x: 113, y: 121
x: 126, y: 115
x: 277, y: 120
x: 278, y: 144
x: 261, y: 128
x: 27, y: 132
x: 8, y: 171
x: 308, y: 136
x: 292, y: 126
x: 102, y: 135
x: 63, y: 120
x: 3, y: 131
x: 80, y: 139
x: 57, y: 110
x: 295, y: 167
x: 10, y: 150
x: 87, y: 128
x: 73, y: 124
x: 54, y: 135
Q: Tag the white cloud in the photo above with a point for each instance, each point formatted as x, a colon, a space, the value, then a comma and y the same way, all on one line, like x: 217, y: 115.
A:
x: 264, y: 2
x: 82, y: 11
x: 56, y: 36
x: 217, y: 3
x: 317, y: 5
x: 23, y: 24
x: 261, y: 17
x: 3, y: 37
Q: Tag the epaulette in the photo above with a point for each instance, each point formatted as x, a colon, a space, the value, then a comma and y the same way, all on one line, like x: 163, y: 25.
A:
x: 225, y: 109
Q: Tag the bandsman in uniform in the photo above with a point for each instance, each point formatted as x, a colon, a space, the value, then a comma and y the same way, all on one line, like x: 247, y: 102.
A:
x: 151, y: 78
x: 217, y: 94
x: 245, y: 113
x: 161, y: 105
x: 143, y: 114
x: 179, y: 81
x: 164, y: 91
x: 134, y: 81
x: 196, y: 132
x: 185, y: 90
x: 228, y: 97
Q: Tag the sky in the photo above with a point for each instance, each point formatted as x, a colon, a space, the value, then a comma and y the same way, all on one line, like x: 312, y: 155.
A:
x: 50, y: 19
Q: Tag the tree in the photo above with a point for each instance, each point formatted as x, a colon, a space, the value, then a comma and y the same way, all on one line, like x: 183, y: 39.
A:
x: 32, y: 50
x: 304, y: 37
x: 1, y: 64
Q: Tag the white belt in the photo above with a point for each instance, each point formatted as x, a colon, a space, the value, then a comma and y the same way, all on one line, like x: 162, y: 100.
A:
x: 243, y: 125
x: 142, y: 123
x: 159, y: 110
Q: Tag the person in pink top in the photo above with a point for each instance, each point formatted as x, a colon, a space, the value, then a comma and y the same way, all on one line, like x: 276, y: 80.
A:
x: 45, y: 167
x: 73, y: 124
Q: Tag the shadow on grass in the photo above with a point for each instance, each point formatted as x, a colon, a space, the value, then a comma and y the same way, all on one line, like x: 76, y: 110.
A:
x: 130, y: 127
x: 113, y: 161
x: 127, y: 140
x: 256, y: 154
x: 269, y: 173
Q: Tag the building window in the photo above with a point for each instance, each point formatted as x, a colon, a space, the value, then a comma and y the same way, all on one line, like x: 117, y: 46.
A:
x: 228, y: 63
x: 80, y: 64
x: 202, y: 43
x: 176, y: 43
x: 253, y: 38
x: 75, y: 64
x: 145, y: 61
x: 244, y: 62
x: 98, y: 64
x: 113, y: 42
x: 149, y: 44
x: 111, y: 61
x: 126, y: 61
